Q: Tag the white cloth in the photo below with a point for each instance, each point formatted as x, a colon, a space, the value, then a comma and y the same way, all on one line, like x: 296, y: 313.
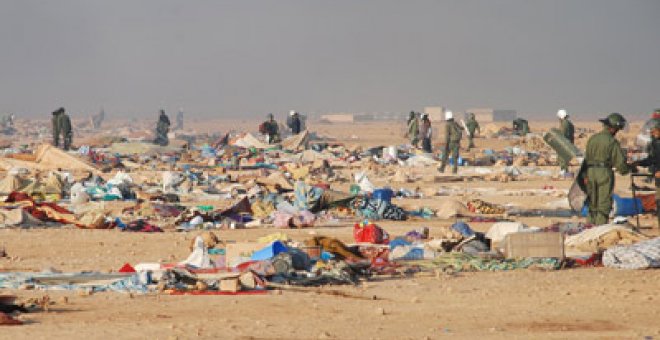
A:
x: 199, y: 258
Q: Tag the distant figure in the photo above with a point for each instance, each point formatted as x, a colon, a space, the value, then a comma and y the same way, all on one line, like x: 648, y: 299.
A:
x: 453, y: 134
x: 270, y: 129
x: 97, y: 119
x: 425, y: 130
x: 472, y: 126
x: 162, y: 129
x: 179, y: 120
x: 567, y: 130
x: 62, y: 127
x: 7, y: 123
x: 520, y: 127
x: 412, y: 133
x: 294, y: 122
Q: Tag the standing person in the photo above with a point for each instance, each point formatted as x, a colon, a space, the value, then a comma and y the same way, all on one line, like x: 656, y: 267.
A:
x: 602, y: 154
x: 65, y: 128
x: 472, y: 126
x: 453, y: 134
x: 162, y: 129
x: 413, y: 129
x: 652, y: 161
x: 294, y: 122
x: 270, y: 129
x: 56, y: 126
x: 567, y: 130
x: 521, y: 127
x: 425, y: 130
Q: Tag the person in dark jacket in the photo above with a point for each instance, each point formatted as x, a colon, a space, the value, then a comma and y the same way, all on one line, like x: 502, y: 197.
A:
x: 271, y: 129
x: 652, y: 161
x: 162, y: 129
x: 56, y: 126
x: 425, y: 131
x: 295, y: 122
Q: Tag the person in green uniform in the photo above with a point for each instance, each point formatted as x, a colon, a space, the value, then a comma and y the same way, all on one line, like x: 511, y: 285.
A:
x: 602, y: 154
x: 472, y: 126
x: 453, y: 134
x: 413, y: 129
x: 567, y: 130
x: 56, y: 126
x: 520, y: 127
x: 652, y: 161
x: 65, y: 128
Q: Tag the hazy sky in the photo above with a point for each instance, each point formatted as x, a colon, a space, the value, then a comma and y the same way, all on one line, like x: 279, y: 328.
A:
x: 246, y: 57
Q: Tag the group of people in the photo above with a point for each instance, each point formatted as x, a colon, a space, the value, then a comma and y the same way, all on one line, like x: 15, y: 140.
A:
x: 421, y: 127
x: 596, y: 176
x: 270, y: 128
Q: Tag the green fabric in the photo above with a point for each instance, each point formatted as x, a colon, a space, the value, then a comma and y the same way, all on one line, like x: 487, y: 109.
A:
x: 603, y: 152
x: 461, y: 262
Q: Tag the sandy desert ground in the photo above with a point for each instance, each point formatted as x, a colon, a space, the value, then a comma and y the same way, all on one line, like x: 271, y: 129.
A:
x: 583, y: 303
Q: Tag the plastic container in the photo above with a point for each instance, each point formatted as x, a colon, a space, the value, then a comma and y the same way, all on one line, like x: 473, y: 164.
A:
x: 383, y: 194
x: 269, y: 252
x: 625, y: 206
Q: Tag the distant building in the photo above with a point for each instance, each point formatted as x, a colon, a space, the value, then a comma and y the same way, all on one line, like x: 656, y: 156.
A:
x: 489, y: 115
x: 338, y: 118
x: 346, y: 118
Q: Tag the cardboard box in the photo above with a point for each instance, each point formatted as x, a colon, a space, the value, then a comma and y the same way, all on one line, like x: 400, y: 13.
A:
x: 527, y: 244
x: 230, y: 285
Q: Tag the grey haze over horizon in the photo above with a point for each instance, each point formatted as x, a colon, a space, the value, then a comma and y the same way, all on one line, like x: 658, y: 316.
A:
x: 248, y: 58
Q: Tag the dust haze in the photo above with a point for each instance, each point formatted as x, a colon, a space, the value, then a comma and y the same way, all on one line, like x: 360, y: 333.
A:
x: 248, y: 58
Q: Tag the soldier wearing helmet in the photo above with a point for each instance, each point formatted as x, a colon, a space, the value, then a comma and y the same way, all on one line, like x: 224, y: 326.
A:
x: 567, y: 130
x: 602, y: 154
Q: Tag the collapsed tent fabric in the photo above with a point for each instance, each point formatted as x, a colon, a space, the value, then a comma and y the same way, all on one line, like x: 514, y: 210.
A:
x: 48, y: 157
x: 47, y: 212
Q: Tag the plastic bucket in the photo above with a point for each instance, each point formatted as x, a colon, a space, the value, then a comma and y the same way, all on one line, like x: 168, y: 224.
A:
x: 383, y: 194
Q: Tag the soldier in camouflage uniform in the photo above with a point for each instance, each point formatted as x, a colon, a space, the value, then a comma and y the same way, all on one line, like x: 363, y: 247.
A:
x: 652, y: 161
x: 602, y: 154
x: 472, y: 126
x: 567, y: 130
x: 453, y: 134
x: 413, y: 129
